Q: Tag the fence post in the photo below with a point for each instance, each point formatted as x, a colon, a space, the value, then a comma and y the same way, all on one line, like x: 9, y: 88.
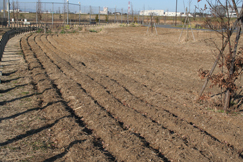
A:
x: 138, y: 17
x: 36, y: 13
x: 67, y: 10
x: 107, y: 15
x: 52, y: 13
x: 8, y: 7
x: 121, y: 14
x: 79, y: 12
x: 115, y: 16
x: 90, y: 15
x: 127, y: 18
x: 99, y: 15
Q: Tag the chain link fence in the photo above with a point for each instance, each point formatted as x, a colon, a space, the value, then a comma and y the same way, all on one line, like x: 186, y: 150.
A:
x: 65, y: 13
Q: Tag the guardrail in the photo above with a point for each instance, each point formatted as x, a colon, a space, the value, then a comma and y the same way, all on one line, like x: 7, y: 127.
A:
x: 11, y: 33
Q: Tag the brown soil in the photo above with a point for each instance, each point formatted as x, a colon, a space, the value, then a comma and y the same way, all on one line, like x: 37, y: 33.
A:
x: 118, y: 95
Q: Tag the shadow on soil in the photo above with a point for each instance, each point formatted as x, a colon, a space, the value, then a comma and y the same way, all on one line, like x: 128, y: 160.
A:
x: 7, y: 74
x: 65, y: 152
x: 8, y: 81
x: 27, y: 111
x: 15, y: 99
x: 20, y: 98
x: 31, y: 132
x: 10, y: 65
x: 9, y: 61
x: 7, y: 90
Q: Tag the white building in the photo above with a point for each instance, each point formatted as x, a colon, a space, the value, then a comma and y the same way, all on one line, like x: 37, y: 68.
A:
x: 16, y: 10
x: 232, y: 12
x: 105, y: 11
x: 173, y: 13
x: 156, y: 12
x: 184, y: 15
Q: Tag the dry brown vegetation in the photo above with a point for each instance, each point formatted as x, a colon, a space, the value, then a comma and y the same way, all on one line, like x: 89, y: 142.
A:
x: 123, y: 95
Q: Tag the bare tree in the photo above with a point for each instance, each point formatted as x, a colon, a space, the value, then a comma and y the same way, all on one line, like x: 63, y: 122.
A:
x: 64, y: 11
x: 13, y: 7
x: 39, y: 13
x: 17, y: 11
x: 231, y: 62
x: 4, y: 9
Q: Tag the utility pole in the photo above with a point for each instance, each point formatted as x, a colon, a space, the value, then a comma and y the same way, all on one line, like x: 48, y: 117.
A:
x: 121, y: 14
x: 176, y: 14
x: 67, y: 10
x: 8, y: 8
x: 99, y: 15
x: 143, y: 12
x: 90, y: 14
x: 79, y: 11
x: 36, y: 14
x: 4, y: 8
x: 52, y: 13
x: 115, y: 15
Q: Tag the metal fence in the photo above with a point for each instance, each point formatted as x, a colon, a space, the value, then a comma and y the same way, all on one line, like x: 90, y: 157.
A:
x: 66, y: 13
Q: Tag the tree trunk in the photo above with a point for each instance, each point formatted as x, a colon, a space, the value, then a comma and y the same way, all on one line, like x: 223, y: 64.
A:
x: 232, y: 68
x: 239, y: 20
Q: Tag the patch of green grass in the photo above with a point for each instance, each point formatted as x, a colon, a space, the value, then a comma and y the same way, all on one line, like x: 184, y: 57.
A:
x: 73, y: 31
x: 27, y: 99
x: 132, y: 25
x: 220, y: 111
x: 80, y: 28
x: 209, y: 109
x: 39, y: 31
x: 67, y: 27
x: 93, y: 31
x: 37, y: 145
x: 24, y: 93
x: 63, y: 31
x: 48, y: 32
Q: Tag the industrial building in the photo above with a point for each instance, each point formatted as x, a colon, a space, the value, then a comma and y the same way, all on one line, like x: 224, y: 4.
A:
x: 156, y: 12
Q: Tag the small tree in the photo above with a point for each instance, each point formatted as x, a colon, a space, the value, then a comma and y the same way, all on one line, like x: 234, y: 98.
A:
x: 231, y: 62
x: 157, y: 19
x: 97, y: 18
x: 135, y: 19
x: 106, y: 18
x: 13, y: 6
x: 17, y: 12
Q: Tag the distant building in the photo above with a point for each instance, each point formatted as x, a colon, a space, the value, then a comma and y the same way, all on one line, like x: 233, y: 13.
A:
x: 16, y: 10
x: 148, y: 12
x: 105, y: 11
x: 173, y: 13
x: 232, y: 12
x: 222, y: 11
x: 184, y: 15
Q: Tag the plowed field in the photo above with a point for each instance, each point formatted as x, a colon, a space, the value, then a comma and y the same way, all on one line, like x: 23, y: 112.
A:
x: 135, y: 93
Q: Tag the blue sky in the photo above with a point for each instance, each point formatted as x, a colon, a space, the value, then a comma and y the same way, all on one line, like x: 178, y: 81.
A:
x: 137, y: 4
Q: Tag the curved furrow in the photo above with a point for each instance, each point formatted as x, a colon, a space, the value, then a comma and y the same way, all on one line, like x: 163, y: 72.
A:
x: 191, y: 134
x: 120, y: 142
x: 202, y: 121
x: 79, y: 131
x: 150, y: 79
x: 129, y: 117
